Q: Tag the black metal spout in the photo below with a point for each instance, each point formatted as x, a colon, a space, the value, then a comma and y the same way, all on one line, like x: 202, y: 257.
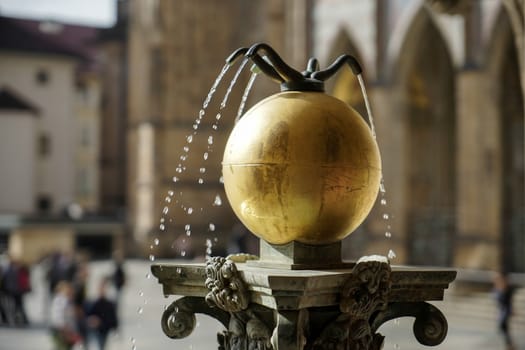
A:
x: 312, y: 79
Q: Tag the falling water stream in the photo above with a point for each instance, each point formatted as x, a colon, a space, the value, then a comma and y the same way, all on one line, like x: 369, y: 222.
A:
x: 388, y: 234
x: 176, y: 198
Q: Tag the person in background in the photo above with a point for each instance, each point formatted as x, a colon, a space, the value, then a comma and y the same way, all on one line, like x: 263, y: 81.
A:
x: 62, y: 318
x: 503, y: 292
x: 119, y: 275
x: 3, y: 313
x: 79, y: 298
x: 16, y: 283
x: 102, y: 316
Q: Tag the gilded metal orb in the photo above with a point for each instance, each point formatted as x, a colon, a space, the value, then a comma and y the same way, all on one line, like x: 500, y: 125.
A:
x: 301, y: 166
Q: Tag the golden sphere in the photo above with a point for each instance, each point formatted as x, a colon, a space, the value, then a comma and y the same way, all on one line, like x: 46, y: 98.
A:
x: 301, y: 166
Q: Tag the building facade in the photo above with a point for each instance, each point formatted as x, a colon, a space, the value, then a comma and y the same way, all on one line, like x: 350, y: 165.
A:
x: 50, y: 119
x: 446, y: 84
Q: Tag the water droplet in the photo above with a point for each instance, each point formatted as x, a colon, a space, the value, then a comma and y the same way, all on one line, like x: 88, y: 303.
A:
x: 187, y: 227
x: 179, y: 169
x: 210, y: 140
x: 385, y: 216
x: 148, y: 275
x: 200, y: 181
x: 215, y: 239
x: 201, y: 113
x: 218, y: 201
x: 190, y: 210
x: 202, y: 170
x: 151, y: 257
x: 189, y: 138
x: 382, y: 187
x: 218, y: 116
x: 383, y: 201
x: 145, y: 301
x: 165, y: 210
x: 183, y: 253
x: 175, y: 179
x: 221, y: 179
x: 186, y: 149
x: 388, y: 234
x: 205, y: 155
x: 140, y: 310
x: 156, y: 241
x: 179, y: 270
x: 188, y: 233
x: 162, y: 227
x: 211, y: 227
x: 214, y: 127
x: 141, y: 293
x: 391, y: 254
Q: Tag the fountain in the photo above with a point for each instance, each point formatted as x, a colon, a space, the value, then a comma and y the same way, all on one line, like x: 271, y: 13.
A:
x: 301, y: 170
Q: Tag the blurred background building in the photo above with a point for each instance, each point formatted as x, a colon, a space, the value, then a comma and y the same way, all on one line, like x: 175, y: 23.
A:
x: 446, y: 83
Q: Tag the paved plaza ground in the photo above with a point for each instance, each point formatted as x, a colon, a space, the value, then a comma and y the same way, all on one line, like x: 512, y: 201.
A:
x: 471, y: 319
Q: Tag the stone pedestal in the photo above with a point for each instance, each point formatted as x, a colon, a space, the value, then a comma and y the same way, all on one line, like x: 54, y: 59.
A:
x: 284, y: 309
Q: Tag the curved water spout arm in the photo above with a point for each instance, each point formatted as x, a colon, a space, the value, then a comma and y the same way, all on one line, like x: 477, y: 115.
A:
x: 334, y: 67
x: 286, y: 72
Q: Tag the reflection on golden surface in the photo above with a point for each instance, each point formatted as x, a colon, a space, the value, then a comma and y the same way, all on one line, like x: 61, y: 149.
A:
x: 301, y: 166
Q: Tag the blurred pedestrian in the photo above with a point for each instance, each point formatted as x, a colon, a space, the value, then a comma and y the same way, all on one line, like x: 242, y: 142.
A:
x: 63, y: 330
x: 119, y: 275
x: 503, y: 292
x: 242, y: 241
x: 3, y: 312
x: 79, y: 298
x: 102, y: 316
x: 16, y: 283
x: 61, y: 267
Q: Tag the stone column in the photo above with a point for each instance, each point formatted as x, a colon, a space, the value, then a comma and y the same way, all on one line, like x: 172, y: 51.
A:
x: 478, y: 174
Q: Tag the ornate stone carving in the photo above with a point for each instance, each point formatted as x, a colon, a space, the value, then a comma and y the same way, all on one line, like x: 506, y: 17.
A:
x: 364, y: 293
x: 245, y: 332
x: 227, y: 289
x: 178, y: 320
x: 430, y: 325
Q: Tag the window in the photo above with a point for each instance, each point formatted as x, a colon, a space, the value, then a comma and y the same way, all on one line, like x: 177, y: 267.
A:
x: 42, y: 77
x: 44, y: 203
x: 44, y: 145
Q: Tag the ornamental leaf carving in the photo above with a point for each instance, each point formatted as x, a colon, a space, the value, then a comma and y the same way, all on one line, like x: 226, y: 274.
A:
x: 227, y: 290
x: 365, y: 292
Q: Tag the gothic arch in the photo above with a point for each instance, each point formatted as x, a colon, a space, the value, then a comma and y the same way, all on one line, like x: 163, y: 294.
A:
x: 425, y: 98
x: 345, y: 85
x: 503, y: 69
